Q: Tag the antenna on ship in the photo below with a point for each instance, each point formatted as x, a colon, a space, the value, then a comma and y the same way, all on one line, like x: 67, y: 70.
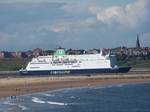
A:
x: 101, y: 51
x: 59, y: 47
x: 109, y: 52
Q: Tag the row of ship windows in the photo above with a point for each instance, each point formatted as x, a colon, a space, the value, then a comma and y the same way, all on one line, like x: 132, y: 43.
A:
x: 39, y: 63
x: 55, y: 63
x: 34, y: 67
x: 74, y: 61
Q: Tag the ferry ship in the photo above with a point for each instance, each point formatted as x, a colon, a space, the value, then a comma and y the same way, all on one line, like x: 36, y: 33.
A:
x: 61, y: 63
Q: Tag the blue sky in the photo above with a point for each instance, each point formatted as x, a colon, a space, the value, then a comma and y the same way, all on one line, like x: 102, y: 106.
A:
x: 28, y: 24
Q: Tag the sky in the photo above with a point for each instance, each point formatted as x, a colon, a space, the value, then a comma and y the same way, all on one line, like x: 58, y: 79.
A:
x: 76, y: 24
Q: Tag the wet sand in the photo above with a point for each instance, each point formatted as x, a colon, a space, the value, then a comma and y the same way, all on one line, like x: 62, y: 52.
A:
x: 24, y: 85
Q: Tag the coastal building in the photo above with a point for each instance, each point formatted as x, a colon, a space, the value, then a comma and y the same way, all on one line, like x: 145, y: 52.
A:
x: 37, y: 52
x: 1, y: 55
x: 93, y: 51
x: 29, y: 53
x: 7, y: 54
x: 133, y: 52
x: 75, y: 52
x: 16, y: 54
x: 48, y: 52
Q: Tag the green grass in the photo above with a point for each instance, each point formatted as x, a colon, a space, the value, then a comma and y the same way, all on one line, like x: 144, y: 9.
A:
x: 12, y: 64
x: 135, y: 63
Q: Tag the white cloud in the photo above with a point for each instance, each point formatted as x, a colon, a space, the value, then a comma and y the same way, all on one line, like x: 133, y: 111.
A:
x: 72, y: 26
x: 34, y: 1
x: 59, y: 28
x: 130, y: 15
x: 19, y: 1
x: 89, y: 15
x: 72, y: 22
x: 6, y: 38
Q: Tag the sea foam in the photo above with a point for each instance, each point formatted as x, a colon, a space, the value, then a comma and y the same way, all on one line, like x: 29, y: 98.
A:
x: 57, y: 103
x: 15, y: 104
x: 51, y: 95
x: 37, y: 100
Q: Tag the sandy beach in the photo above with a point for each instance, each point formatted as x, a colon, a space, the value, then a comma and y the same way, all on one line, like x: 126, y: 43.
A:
x: 24, y: 85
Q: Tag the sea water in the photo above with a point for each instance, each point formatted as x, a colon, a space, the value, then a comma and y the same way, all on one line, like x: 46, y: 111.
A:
x: 114, y: 98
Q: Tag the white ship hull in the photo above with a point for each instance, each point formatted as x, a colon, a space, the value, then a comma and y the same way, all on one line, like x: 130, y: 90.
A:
x: 77, y: 72
x: 73, y: 64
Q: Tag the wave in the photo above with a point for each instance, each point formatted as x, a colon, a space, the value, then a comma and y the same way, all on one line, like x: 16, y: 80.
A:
x: 120, y: 85
x: 51, y: 95
x: 57, y: 103
x: 72, y: 97
x: 22, y: 107
x: 14, y: 104
x: 37, y: 100
x: 109, y: 86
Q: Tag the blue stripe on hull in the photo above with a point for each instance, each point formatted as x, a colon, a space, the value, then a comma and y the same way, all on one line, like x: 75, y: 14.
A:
x: 78, y: 71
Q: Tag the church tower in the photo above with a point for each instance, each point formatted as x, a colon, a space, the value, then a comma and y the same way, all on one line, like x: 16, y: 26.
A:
x: 138, y: 42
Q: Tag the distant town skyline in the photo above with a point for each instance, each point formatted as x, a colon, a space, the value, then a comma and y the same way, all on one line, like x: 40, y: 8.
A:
x: 47, y: 24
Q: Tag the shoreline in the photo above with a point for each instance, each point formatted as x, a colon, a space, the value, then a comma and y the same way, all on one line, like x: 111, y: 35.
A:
x: 27, y: 85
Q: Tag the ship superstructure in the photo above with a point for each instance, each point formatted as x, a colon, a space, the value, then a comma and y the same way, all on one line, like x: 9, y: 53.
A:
x: 60, y: 63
